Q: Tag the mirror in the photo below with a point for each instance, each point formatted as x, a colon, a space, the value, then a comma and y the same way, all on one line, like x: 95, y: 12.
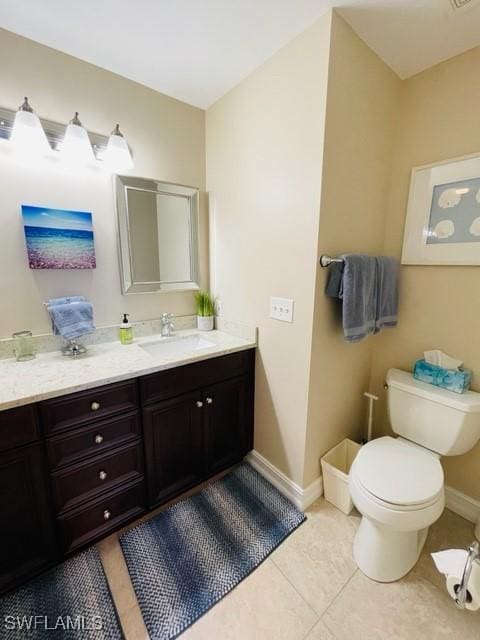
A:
x: 158, y: 225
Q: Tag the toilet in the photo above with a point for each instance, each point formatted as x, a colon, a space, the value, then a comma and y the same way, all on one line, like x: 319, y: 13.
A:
x: 397, y: 483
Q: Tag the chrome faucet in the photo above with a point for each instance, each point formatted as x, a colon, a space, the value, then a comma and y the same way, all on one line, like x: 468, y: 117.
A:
x: 167, y: 324
x: 461, y: 590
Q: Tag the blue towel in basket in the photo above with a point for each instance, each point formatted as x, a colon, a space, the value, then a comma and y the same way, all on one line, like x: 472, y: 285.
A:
x: 71, y: 317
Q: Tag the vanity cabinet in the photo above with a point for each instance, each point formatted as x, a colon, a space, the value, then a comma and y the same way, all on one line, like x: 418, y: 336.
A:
x: 173, y: 436
x: 73, y: 469
x: 194, y: 435
x: 26, y: 527
x: 228, y: 423
x: 95, y: 461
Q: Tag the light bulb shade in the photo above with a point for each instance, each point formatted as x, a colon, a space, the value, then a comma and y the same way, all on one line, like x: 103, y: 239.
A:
x: 76, y: 146
x: 28, y: 136
x: 117, y: 156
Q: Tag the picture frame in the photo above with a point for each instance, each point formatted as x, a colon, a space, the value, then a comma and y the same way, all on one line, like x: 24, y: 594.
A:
x: 58, y: 238
x: 442, y: 226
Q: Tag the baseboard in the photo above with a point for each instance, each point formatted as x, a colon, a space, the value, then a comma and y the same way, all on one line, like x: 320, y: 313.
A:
x: 462, y: 505
x: 302, y: 498
x: 456, y: 501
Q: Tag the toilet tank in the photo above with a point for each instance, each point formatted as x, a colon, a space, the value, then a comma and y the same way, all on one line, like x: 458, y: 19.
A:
x: 440, y: 420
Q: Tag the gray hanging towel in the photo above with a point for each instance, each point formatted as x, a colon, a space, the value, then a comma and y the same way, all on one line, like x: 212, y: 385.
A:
x: 368, y: 288
x: 387, y: 294
x: 357, y: 288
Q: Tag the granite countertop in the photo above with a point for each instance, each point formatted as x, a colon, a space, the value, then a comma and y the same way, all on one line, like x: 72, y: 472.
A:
x: 51, y: 375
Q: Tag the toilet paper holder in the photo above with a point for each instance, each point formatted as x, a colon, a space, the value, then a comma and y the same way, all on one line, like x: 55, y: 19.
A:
x: 462, y: 590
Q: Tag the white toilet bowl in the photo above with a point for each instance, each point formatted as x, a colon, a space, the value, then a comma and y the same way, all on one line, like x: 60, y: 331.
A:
x: 398, y: 488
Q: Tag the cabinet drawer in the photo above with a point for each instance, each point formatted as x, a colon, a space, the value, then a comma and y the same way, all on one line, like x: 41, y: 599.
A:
x: 85, y: 406
x: 173, y: 382
x: 85, y: 480
x: 101, y: 516
x: 18, y: 426
x: 91, y: 440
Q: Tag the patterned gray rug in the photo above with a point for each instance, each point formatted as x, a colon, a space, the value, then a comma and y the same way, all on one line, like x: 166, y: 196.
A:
x: 70, y: 602
x: 188, y: 557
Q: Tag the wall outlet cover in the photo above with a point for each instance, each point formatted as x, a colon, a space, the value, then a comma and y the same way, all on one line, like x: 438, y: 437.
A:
x: 281, y: 309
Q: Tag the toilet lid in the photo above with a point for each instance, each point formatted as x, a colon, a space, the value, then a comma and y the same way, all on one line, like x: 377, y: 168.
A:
x: 398, y: 473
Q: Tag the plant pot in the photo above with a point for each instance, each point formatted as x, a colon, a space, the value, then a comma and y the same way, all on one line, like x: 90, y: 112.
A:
x: 205, y: 323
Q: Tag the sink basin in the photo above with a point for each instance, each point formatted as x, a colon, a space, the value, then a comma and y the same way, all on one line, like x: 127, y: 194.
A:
x: 171, y: 347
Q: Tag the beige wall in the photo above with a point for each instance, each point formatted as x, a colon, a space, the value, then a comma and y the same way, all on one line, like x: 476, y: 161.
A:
x: 278, y: 153
x: 362, y: 103
x: 264, y: 162
x: 167, y: 138
x: 439, y: 306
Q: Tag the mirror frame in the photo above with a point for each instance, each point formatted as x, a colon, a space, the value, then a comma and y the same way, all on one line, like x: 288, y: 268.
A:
x: 129, y: 286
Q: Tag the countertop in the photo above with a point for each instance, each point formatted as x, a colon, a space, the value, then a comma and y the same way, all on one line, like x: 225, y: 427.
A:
x: 51, y: 375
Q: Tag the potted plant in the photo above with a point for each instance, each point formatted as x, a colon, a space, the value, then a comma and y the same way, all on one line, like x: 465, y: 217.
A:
x: 205, y: 310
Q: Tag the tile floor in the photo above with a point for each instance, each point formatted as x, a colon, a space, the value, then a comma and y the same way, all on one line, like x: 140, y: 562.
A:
x: 310, y: 589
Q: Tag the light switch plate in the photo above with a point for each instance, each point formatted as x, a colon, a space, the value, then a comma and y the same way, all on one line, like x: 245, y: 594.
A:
x: 281, y: 309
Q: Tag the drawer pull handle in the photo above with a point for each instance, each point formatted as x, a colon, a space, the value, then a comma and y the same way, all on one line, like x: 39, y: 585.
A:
x: 209, y: 400
x: 199, y: 404
x: 95, y: 406
x: 102, y: 475
x: 98, y: 438
x: 106, y: 514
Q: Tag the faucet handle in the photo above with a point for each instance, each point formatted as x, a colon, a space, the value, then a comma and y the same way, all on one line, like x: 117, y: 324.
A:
x: 167, y: 324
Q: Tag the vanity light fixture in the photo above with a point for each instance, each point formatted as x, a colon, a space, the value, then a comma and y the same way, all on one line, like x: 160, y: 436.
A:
x: 36, y: 137
x: 76, y: 146
x: 117, y: 156
x: 28, y: 136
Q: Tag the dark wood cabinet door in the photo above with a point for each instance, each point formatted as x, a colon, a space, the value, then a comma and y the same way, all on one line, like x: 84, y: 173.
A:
x: 228, y: 424
x: 26, y: 535
x: 173, y: 438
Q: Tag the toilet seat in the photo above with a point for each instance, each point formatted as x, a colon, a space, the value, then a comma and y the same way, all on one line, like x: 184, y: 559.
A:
x: 397, y: 475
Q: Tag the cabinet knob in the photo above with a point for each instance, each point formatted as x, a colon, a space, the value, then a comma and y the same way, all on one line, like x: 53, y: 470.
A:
x: 95, y: 406
x: 209, y: 400
x: 106, y: 514
x: 102, y: 475
x: 199, y: 404
x: 98, y: 438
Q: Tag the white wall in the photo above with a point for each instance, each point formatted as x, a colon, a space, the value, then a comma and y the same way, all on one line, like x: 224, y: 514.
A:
x: 167, y: 138
x: 264, y: 163
x: 362, y: 101
x: 439, y: 306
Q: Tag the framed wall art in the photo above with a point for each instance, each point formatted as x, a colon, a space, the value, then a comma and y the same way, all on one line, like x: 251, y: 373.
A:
x: 58, y: 238
x: 443, y: 214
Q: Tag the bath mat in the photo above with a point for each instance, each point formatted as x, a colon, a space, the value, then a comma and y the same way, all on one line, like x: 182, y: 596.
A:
x: 188, y: 557
x: 70, y: 602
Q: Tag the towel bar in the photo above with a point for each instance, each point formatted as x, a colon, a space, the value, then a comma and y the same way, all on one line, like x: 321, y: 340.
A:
x: 326, y: 261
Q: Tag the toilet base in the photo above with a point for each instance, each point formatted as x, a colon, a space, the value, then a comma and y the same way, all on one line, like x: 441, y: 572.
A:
x: 385, y: 555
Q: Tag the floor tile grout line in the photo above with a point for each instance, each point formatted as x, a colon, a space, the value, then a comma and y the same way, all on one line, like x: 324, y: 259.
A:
x: 298, y: 592
x: 335, y: 599
x: 311, y: 629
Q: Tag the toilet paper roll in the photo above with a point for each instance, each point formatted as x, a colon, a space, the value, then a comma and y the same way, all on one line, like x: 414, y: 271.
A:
x: 453, y: 583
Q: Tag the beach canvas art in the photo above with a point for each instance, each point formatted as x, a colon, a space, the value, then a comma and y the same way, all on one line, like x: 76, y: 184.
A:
x: 58, y: 238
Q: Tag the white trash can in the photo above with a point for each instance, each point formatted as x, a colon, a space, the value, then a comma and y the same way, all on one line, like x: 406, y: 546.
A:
x: 335, y: 469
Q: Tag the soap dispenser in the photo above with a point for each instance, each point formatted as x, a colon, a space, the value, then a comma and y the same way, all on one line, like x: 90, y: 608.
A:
x: 126, y: 331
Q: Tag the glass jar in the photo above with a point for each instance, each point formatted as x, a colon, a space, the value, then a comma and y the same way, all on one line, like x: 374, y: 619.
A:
x: 23, y: 346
